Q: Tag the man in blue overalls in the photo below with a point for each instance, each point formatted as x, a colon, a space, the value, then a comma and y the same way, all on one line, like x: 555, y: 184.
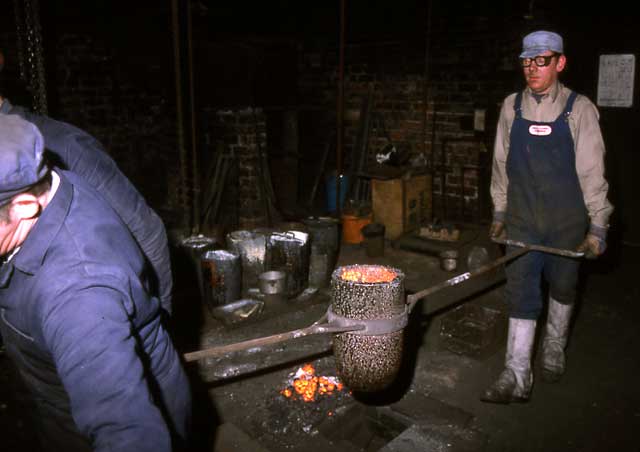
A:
x: 548, y: 188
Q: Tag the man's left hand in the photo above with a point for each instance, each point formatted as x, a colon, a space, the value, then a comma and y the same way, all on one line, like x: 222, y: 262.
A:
x: 592, y: 246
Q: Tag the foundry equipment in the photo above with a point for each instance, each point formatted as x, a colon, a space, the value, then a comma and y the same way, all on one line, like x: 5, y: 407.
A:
x: 325, y: 243
x: 367, y: 315
x: 273, y: 286
x: 252, y: 247
x: 289, y: 252
x: 221, y: 277
x: 373, y: 296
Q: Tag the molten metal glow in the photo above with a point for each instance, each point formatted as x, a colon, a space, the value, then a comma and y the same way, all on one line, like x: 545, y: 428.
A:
x: 307, y: 385
x: 369, y: 274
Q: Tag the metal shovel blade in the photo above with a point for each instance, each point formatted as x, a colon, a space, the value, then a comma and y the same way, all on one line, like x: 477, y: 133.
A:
x: 544, y: 249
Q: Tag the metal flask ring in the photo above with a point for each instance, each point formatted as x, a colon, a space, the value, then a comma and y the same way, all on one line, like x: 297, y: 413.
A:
x: 372, y: 327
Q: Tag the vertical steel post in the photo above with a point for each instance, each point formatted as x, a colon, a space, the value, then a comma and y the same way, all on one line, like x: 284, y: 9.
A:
x: 340, y: 107
x: 425, y: 101
x: 182, y: 152
x: 192, y: 123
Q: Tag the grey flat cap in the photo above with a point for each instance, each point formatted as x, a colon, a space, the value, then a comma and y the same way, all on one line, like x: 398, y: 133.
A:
x: 21, y: 162
x: 539, y: 42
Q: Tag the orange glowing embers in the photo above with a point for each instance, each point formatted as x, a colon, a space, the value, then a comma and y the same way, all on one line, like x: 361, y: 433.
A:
x: 306, y: 385
x: 368, y: 274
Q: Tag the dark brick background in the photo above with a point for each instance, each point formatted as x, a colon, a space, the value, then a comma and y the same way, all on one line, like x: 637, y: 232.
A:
x: 111, y: 71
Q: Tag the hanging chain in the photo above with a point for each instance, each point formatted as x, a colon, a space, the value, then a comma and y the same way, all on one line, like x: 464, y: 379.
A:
x: 19, y: 35
x: 30, y: 52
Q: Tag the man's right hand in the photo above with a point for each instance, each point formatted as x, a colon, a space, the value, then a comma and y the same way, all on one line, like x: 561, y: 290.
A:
x: 592, y: 246
x: 497, y: 230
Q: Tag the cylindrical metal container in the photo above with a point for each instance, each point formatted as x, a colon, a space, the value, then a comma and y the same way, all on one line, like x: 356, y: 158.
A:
x: 449, y: 260
x: 273, y: 282
x: 290, y: 226
x: 325, y: 243
x: 368, y: 363
x: 251, y: 246
x: 222, y: 277
x: 373, y: 234
x: 194, y: 247
x: 289, y: 252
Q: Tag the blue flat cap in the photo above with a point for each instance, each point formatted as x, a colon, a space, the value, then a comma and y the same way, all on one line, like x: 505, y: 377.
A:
x: 539, y: 42
x: 21, y: 162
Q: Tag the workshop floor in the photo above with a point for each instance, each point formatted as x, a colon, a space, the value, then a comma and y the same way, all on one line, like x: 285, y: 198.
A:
x: 435, y: 403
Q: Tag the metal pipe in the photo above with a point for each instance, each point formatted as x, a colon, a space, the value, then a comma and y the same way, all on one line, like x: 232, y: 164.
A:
x: 182, y: 152
x: 340, y: 106
x: 413, y: 298
x: 425, y: 89
x: 194, y: 148
x: 315, y: 328
x: 542, y: 248
x: 443, y: 177
x: 427, y: 75
x: 523, y: 249
x: 432, y: 158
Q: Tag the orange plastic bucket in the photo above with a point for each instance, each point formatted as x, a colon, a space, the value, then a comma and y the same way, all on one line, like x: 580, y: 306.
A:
x: 352, y: 227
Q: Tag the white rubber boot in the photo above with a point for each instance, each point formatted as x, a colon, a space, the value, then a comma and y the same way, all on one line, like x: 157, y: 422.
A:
x: 515, y: 382
x: 555, y: 340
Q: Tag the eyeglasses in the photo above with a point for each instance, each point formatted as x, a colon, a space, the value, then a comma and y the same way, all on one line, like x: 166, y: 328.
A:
x: 540, y: 60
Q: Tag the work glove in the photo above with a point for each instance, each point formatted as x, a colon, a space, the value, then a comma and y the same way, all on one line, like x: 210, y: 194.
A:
x: 592, y: 246
x: 595, y: 243
x: 497, y: 229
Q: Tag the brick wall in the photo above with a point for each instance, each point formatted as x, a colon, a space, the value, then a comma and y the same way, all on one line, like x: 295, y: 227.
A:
x: 132, y: 113
x: 125, y: 101
x: 242, y: 134
x: 125, y: 97
x: 430, y: 120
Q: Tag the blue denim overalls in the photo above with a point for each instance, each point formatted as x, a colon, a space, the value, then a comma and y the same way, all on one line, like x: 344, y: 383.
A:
x: 545, y: 206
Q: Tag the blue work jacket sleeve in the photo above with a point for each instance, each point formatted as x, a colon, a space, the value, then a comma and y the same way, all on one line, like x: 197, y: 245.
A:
x: 96, y: 352
x: 77, y: 151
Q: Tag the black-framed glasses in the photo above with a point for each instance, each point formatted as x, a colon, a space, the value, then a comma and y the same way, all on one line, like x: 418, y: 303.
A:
x: 540, y: 60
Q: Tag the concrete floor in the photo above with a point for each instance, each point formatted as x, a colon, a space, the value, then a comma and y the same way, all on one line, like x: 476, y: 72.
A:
x: 434, y: 404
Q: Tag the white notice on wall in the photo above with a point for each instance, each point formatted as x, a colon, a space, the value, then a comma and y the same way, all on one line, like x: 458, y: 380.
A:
x: 615, y: 80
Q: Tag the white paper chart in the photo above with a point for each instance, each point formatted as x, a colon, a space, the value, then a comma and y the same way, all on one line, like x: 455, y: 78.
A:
x: 615, y: 80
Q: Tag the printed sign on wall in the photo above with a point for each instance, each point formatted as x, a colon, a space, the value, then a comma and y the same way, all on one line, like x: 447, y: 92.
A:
x: 615, y: 80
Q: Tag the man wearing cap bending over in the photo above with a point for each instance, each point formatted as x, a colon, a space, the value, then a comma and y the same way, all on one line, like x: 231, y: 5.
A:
x: 77, y: 151
x: 548, y: 188
x: 75, y: 311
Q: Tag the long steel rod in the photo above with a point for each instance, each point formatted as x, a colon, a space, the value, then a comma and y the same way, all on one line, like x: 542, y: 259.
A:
x: 315, y: 328
x: 523, y: 249
x: 182, y: 151
x: 544, y: 249
x: 195, y: 169
x: 340, y: 107
x: 425, y: 84
x: 413, y: 298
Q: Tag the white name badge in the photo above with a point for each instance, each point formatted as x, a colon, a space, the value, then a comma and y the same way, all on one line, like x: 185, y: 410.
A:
x: 540, y: 130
